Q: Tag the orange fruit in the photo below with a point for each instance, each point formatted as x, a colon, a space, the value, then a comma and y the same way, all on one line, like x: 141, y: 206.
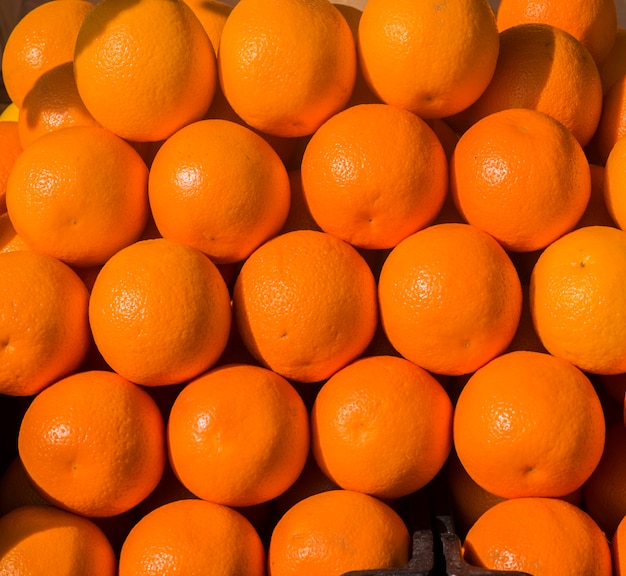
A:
x: 614, y: 187
x: 10, y: 241
x: 144, y: 69
x: 521, y: 176
x: 592, y: 22
x: 424, y: 308
x: 543, y: 68
x: 337, y: 531
x: 78, y: 194
x: 238, y: 435
x: 305, y: 304
x: 212, y: 15
x: 432, y: 61
x: 10, y: 113
x: 10, y: 149
x: 614, y: 65
x: 52, y: 103
x: 371, y: 186
x: 381, y: 405
x: 604, y: 493
x: 577, y: 299
x: 541, y: 434
x: 612, y: 124
x: 44, y: 332
x: 219, y: 187
x: 618, y: 553
x: 42, y: 39
x: 93, y: 443
x: 195, y: 538
x: 160, y: 312
x: 46, y: 540
x: 541, y: 536
x: 286, y: 67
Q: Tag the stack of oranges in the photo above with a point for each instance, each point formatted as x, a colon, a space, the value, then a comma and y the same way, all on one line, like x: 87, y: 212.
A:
x: 268, y: 270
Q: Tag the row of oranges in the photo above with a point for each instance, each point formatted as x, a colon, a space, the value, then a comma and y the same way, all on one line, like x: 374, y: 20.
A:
x: 266, y: 271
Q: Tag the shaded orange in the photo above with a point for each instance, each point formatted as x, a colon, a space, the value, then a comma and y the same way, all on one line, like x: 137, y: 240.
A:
x: 219, y: 187
x: 604, y: 493
x: 336, y: 531
x: 614, y: 65
x: 238, y: 435
x: 41, y: 40
x: 521, y: 176
x: 305, y: 304
x: 16, y: 489
x: 93, y: 443
x: 381, y: 405
x: 592, y: 22
x: 44, y: 333
x: 423, y: 296
x: 10, y: 149
x: 618, y: 549
x: 541, y: 536
x: 78, y: 194
x: 543, y: 68
x: 614, y: 185
x: 299, y: 216
x: 52, y: 103
x: 597, y: 212
x: 529, y: 424
x: 285, y: 67
x: 612, y: 124
x: 577, y: 298
x: 160, y: 312
x: 144, y: 69
x: 431, y: 59
x: 212, y: 15
x: 195, y: 538
x: 46, y: 540
x: 369, y: 185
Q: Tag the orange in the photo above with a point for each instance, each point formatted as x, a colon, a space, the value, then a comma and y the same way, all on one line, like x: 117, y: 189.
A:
x: 521, y: 176
x: 305, y: 304
x: 592, y: 22
x: 41, y: 40
x: 212, y: 15
x: 299, y: 216
x: 52, y: 103
x: 614, y: 65
x: 195, y: 538
x: 160, y: 312
x: 93, y: 443
x: 577, y: 299
x: 431, y: 58
x: 10, y: 149
x: 618, y: 551
x: 219, y: 187
x: 612, y: 124
x: 543, y: 68
x: 529, y: 424
x: 79, y: 194
x: 423, y: 296
x: 10, y: 113
x: 144, y: 69
x: 238, y: 435
x: 604, y: 493
x: 337, y: 531
x: 541, y: 536
x: 614, y: 185
x: 44, y: 332
x: 46, y: 540
x: 381, y: 405
x: 369, y: 185
x: 525, y: 336
x: 286, y: 66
